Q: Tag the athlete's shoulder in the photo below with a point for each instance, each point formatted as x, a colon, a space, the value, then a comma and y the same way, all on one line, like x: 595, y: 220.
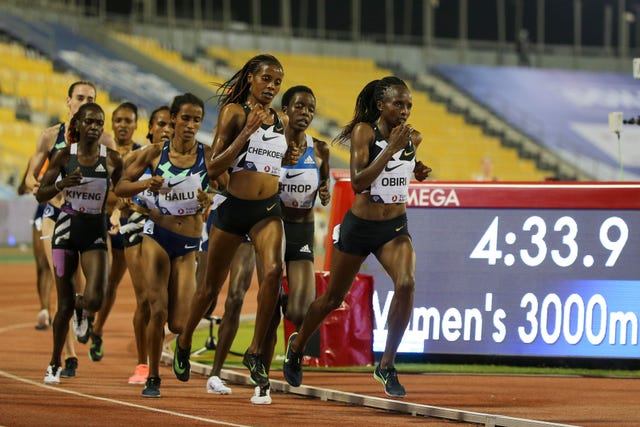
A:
x: 233, y: 108
x: 50, y: 134
x: 107, y: 140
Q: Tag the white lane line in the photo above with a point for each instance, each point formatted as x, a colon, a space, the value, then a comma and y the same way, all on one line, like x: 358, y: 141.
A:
x: 16, y: 326
x: 117, y: 402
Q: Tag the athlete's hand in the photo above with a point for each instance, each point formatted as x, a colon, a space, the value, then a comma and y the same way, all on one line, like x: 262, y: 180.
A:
x: 114, y: 220
x: 204, y: 200
x: 71, y: 180
x: 324, y: 194
x: 399, y: 137
x: 123, y: 203
x: 35, y: 188
x: 292, y: 155
x: 256, y: 117
x: 155, y: 183
x: 421, y: 171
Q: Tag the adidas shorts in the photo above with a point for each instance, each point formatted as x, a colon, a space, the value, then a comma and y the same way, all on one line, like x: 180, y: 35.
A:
x: 132, y: 231
x: 361, y: 237
x: 299, y: 237
x: 80, y: 232
x: 238, y: 216
x: 51, y: 212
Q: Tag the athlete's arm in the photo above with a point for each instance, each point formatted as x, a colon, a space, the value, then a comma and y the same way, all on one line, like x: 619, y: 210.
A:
x: 43, y: 146
x: 48, y: 185
x: 129, y: 184
x: 322, y: 152
x: 232, y: 132
x: 420, y: 171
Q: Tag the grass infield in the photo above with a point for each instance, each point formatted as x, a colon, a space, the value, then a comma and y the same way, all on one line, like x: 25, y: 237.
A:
x: 245, y: 333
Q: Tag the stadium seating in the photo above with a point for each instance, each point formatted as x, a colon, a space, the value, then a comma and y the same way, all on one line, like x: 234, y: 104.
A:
x: 34, y: 90
x: 451, y: 147
x: 173, y: 59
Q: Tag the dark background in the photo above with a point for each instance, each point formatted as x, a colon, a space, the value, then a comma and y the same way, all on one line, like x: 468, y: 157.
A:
x: 483, y: 17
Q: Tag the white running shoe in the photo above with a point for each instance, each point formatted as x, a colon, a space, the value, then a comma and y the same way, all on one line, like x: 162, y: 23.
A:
x: 261, y: 395
x: 80, y: 324
x: 216, y: 386
x: 43, y: 321
x: 53, y: 375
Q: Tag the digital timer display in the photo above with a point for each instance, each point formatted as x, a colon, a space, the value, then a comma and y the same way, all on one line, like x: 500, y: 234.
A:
x: 520, y: 270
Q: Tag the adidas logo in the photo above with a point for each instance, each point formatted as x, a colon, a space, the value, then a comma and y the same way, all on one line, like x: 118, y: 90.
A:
x: 100, y: 168
x: 309, y: 161
x: 305, y: 249
x: 98, y: 241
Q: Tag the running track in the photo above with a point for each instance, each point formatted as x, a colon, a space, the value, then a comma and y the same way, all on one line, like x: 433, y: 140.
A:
x: 100, y: 395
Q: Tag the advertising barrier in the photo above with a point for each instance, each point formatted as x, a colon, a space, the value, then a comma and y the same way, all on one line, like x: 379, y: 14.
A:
x: 345, y: 336
x: 516, y: 269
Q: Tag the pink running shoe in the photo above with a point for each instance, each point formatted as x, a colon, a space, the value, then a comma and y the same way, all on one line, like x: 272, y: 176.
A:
x: 139, y: 375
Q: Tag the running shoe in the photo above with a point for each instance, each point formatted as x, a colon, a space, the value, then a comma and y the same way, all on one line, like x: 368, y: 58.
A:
x: 259, y: 375
x: 96, y: 351
x: 78, y: 322
x: 53, y: 375
x: 82, y: 325
x: 261, y: 395
x: 140, y: 374
x: 292, y: 366
x: 152, y: 387
x: 43, y: 321
x: 181, y: 364
x: 388, y: 377
x: 216, y: 386
x: 70, y: 366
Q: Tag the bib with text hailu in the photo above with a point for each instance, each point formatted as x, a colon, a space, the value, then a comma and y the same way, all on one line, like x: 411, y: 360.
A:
x: 179, y: 195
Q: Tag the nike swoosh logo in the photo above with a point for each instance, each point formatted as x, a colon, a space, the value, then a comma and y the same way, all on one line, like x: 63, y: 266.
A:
x: 271, y: 207
x: 173, y: 184
x: 190, y: 246
x: 407, y: 153
x: 88, y: 180
x: 177, y: 366
x: 264, y: 137
x: 389, y: 169
x: 289, y: 175
x: 399, y: 228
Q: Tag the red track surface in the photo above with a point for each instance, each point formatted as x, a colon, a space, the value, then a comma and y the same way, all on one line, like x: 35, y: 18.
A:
x: 100, y: 395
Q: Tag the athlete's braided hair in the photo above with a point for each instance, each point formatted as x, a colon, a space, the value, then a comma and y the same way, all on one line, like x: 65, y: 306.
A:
x: 74, y: 134
x: 236, y: 89
x: 366, y: 109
